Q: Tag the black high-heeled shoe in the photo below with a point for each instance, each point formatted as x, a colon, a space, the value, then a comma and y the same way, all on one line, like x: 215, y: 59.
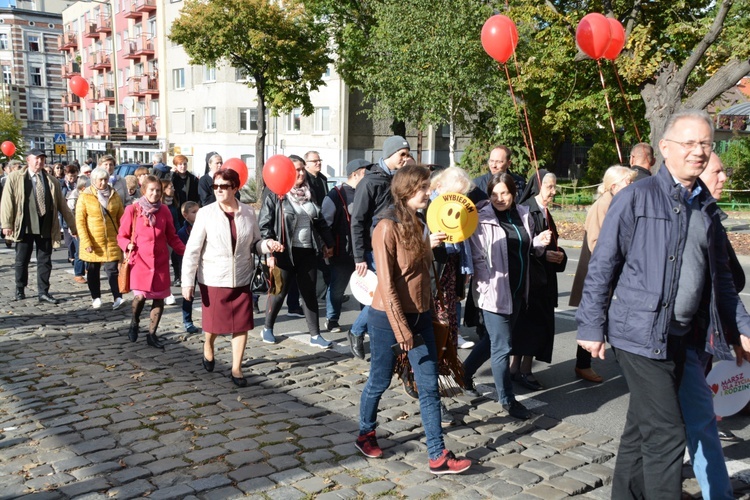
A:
x: 153, y: 341
x: 133, y: 332
x: 238, y: 381
x: 209, y: 365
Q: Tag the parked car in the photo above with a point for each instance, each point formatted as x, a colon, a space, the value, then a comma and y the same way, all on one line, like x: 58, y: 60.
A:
x: 127, y: 169
x: 335, y: 181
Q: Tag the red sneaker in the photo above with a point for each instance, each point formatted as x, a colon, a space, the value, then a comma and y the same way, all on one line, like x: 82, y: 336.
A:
x: 368, y: 445
x: 447, y: 463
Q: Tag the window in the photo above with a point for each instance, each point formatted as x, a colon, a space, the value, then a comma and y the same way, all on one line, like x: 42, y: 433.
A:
x: 177, y: 122
x: 118, y: 43
x: 323, y: 119
x: 152, y: 27
x: 327, y: 72
x: 154, y: 107
x: 36, y: 76
x: 209, y: 74
x: 248, y: 119
x: 209, y: 119
x: 178, y: 77
x: 37, y: 110
x: 293, y: 119
x: 3, y: 41
x: 38, y: 142
x: 34, y: 43
x: 7, y: 75
x: 241, y: 74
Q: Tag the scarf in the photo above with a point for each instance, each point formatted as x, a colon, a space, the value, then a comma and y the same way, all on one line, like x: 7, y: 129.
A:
x: 149, y: 210
x: 301, y: 194
x: 104, y: 195
x: 168, y: 200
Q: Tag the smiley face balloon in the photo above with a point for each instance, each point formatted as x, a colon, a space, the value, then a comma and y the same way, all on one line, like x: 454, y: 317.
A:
x: 453, y: 214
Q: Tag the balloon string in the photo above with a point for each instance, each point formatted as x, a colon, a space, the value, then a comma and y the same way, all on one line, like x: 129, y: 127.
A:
x: 518, y: 113
x: 609, y: 109
x: 281, y: 216
x: 622, y: 92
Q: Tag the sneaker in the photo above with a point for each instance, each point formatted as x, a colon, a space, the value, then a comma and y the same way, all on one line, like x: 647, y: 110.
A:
x: 295, y: 313
x: 177, y: 282
x: 267, y: 336
x: 470, y: 390
x: 97, y: 303
x: 464, y: 344
x: 446, y: 418
x: 191, y: 328
x: 728, y: 436
x: 517, y: 410
x: 368, y: 445
x: 170, y: 300
x: 319, y: 341
x: 448, y: 463
x: 80, y: 279
x: 332, y: 326
x: 117, y: 304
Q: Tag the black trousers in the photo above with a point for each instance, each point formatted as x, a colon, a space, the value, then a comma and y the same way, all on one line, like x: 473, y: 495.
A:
x: 94, y: 281
x: 649, y: 460
x: 43, y: 261
x: 306, y: 273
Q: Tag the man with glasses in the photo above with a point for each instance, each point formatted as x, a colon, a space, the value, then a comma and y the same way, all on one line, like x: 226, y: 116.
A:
x: 318, y: 181
x: 372, y: 195
x: 499, y: 162
x: 662, y: 255
x: 28, y: 216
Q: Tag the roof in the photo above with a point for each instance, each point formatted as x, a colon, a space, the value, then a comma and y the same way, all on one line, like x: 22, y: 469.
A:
x: 742, y: 109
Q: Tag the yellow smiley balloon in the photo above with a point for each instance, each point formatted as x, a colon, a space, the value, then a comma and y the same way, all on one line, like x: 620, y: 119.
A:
x: 453, y: 214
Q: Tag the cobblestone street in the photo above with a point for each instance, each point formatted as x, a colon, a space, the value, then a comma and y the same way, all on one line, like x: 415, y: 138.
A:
x: 87, y: 414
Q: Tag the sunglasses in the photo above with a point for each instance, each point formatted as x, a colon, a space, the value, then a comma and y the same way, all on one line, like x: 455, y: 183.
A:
x: 223, y: 187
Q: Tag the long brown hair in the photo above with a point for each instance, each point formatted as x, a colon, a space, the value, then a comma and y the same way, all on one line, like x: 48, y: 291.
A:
x: 406, y: 182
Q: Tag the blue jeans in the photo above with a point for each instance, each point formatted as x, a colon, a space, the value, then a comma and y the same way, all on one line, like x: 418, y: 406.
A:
x: 341, y: 270
x: 360, y: 324
x: 495, y: 346
x: 703, y: 442
x: 424, y: 363
x: 79, y: 266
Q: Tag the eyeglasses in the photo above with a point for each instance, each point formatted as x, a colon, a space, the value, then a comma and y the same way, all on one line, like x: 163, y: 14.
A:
x: 315, y: 161
x: 223, y: 187
x: 691, y: 145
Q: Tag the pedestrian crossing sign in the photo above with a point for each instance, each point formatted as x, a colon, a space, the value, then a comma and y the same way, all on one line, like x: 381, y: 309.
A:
x: 60, y: 139
x: 61, y: 149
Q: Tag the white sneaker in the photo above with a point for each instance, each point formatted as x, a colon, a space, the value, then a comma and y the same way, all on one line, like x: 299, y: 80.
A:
x: 169, y: 300
x: 97, y: 303
x: 464, y: 344
x: 117, y: 304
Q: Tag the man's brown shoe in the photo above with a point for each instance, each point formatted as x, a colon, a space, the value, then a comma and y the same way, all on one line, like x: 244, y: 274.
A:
x: 80, y: 279
x: 589, y: 374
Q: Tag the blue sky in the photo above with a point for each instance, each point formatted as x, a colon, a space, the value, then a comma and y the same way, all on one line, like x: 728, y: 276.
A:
x: 7, y: 3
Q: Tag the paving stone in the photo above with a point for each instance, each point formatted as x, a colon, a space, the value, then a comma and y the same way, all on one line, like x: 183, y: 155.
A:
x: 538, y: 452
x: 377, y: 488
x: 602, y: 472
x: 86, y: 486
x: 546, y: 492
x: 244, y: 457
x: 584, y: 477
x: 510, y: 461
x: 44, y: 482
x: 209, y: 483
x: 131, y: 490
x: 285, y: 493
x: 131, y: 474
x: 280, y: 449
x: 180, y: 491
x: 421, y: 491
x: 345, y: 494
x: 205, y: 454
x: 520, y: 477
x: 544, y: 469
x: 162, y: 466
x: 566, y: 462
x: 256, y: 485
x: 313, y: 485
x: 283, y: 463
x: 95, y: 470
x: 568, y: 485
x: 251, y: 472
x: 289, y: 476
x: 589, y: 454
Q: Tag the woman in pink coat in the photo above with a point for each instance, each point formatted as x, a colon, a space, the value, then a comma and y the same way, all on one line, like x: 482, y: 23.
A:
x: 149, y: 271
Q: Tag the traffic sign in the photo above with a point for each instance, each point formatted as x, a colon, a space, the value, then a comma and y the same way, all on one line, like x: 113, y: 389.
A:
x: 60, y: 139
x: 61, y: 149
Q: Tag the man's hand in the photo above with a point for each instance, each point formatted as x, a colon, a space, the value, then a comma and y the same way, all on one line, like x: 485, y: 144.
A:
x: 7, y: 232
x: 188, y: 292
x: 595, y: 348
x: 89, y: 249
x: 271, y: 263
x: 361, y: 268
x: 327, y: 252
x: 553, y: 256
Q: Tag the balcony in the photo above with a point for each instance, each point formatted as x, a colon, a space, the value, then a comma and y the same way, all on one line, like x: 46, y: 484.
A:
x: 73, y: 129
x: 140, y: 46
x: 67, y: 40
x: 142, y: 125
x: 100, y: 60
x: 140, y: 7
x: 71, y: 69
x: 100, y: 127
x: 142, y: 85
x: 97, y: 25
x: 102, y: 93
x: 70, y: 100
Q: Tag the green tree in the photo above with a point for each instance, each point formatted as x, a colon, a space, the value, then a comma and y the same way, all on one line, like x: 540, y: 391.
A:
x: 281, y: 47
x: 10, y: 130
x: 736, y: 159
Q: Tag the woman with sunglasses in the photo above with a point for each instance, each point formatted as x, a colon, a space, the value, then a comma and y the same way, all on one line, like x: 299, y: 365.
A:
x: 220, y: 253
x: 303, y: 233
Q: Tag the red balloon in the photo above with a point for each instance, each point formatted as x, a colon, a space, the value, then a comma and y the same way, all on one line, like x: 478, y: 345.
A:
x: 279, y: 174
x: 8, y: 148
x: 593, y: 35
x: 499, y: 37
x: 616, y: 41
x: 79, y: 86
x: 238, y: 166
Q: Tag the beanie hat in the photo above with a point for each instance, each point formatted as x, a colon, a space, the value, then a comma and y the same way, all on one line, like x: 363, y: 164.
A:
x: 393, y: 144
x: 355, y: 165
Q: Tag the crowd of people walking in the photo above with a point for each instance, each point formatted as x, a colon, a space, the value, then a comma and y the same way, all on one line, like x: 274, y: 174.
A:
x: 656, y: 302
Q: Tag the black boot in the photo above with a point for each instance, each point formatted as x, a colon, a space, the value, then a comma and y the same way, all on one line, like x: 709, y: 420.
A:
x: 133, y: 331
x: 153, y: 341
x: 357, y: 344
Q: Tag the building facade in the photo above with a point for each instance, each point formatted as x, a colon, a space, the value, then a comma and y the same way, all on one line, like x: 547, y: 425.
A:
x: 31, y: 73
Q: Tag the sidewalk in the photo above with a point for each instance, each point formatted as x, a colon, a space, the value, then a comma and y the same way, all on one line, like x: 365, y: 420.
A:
x: 87, y: 414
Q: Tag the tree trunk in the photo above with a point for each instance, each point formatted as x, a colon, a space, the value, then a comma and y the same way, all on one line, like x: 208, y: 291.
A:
x: 420, y: 136
x: 260, y: 140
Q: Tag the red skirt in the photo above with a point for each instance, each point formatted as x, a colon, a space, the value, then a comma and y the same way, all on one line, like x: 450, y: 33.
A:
x: 226, y: 310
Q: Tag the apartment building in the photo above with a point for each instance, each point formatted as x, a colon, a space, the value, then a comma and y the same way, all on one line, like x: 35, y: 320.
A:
x: 113, y: 46
x: 31, y: 69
